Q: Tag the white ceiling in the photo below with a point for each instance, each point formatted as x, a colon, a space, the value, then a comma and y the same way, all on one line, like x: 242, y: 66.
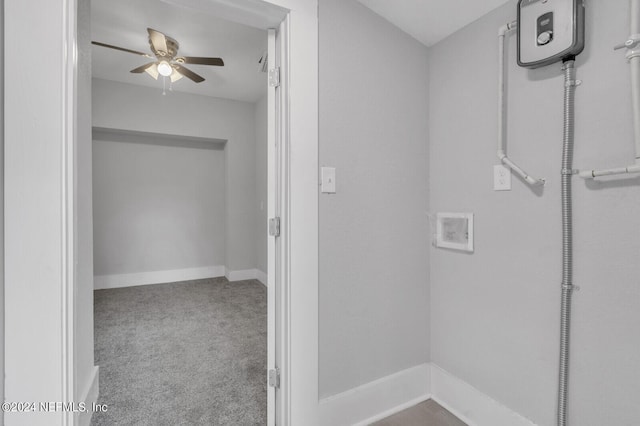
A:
x: 124, y: 23
x: 430, y: 21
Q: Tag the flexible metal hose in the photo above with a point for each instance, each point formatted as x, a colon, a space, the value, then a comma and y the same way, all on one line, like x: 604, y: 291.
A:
x: 567, y: 237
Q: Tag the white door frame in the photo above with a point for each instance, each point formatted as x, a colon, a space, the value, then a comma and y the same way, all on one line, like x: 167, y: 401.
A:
x: 40, y: 196
x: 272, y: 261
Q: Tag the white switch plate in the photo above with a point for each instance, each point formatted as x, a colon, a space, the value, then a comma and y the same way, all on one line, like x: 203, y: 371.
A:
x: 501, y: 178
x: 328, y: 179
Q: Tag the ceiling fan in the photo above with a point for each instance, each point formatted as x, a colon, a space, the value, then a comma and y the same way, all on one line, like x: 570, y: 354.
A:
x: 167, y: 63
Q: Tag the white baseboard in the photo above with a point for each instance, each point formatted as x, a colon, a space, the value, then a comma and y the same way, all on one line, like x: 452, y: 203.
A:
x: 378, y: 399
x: 156, y: 277
x: 386, y: 396
x: 89, y: 397
x: 469, y: 404
x: 261, y: 276
x: 243, y: 274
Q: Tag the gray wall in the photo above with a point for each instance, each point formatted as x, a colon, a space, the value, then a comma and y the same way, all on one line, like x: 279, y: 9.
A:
x: 495, y: 313
x: 261, y: 184
x: 158, y: 205
x: 136, y: 108
x: 374, y: 291
x: 84, y: 361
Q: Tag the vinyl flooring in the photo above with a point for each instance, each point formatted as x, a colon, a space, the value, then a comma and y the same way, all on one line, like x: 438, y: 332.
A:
x: 428, y: 413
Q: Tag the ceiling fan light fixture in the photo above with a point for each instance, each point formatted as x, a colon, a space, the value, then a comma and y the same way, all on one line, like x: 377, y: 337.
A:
x: 167, y: 63
x: 152, y: 71
x: 164, y: 68
x: 176, y: 76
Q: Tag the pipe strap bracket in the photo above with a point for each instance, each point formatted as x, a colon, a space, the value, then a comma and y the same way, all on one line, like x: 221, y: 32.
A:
x: 569, y: 171
x: 570, y: 287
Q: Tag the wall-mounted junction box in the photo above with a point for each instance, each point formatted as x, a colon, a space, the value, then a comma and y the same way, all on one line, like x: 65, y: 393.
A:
x: 549, y: 31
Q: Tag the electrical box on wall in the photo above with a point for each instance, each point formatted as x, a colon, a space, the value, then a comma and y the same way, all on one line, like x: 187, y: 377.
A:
x: 549, y: 31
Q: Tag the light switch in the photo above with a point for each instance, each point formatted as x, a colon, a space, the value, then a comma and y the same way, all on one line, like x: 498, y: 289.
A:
x: 328, y: 180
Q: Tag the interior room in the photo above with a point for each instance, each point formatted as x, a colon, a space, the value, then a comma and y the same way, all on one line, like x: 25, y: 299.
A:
x: 459, y: 236
x: 179, y: 198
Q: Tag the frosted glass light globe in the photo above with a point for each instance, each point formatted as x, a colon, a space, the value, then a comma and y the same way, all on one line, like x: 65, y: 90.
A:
x: 164, y: 68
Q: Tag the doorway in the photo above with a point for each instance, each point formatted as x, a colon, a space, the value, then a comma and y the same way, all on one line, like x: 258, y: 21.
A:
x: 41, y: 172
x: 180, y: 199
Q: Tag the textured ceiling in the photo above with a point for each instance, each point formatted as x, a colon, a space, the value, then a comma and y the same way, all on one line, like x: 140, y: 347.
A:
x: 124, y: 23
x: 430, y: 21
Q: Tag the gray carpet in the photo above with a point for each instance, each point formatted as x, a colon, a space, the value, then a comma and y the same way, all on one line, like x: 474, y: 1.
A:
x: 190, y: 353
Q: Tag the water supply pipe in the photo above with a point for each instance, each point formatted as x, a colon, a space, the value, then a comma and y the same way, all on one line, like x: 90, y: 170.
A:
x: 633, y: 57
x: 502, y: 140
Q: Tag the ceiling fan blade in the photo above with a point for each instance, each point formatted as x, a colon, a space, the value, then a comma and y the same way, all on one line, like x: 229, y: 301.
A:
x: 135, y: 52
x: 203, y: 61
x: 143, y: 68
x: 188, y: 73
x: 159, y: 41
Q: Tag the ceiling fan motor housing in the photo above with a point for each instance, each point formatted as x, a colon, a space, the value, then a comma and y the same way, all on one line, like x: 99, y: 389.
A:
x: 172, y: 48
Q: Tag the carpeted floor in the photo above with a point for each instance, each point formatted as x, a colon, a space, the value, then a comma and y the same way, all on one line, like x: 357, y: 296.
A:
x: 192, y: 353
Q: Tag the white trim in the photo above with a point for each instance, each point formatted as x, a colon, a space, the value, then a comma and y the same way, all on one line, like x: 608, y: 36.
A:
x: 273, y: 195
x: 241, y: 275
x: 378, y: 399
x: 90, y: 397
x: 68, y: 211
x: 102, y: 282
x: 262, y: 277
x: 469, y: 404
x: 391, y: 394
x: 157, y: 277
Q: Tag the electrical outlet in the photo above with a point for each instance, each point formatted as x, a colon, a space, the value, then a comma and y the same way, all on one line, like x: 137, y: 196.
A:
x: 501, y: 178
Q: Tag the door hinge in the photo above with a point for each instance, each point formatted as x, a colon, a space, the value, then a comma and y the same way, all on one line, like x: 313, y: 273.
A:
x: 274, y: 378
x: 274, y: 77
x: 274, y: 226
